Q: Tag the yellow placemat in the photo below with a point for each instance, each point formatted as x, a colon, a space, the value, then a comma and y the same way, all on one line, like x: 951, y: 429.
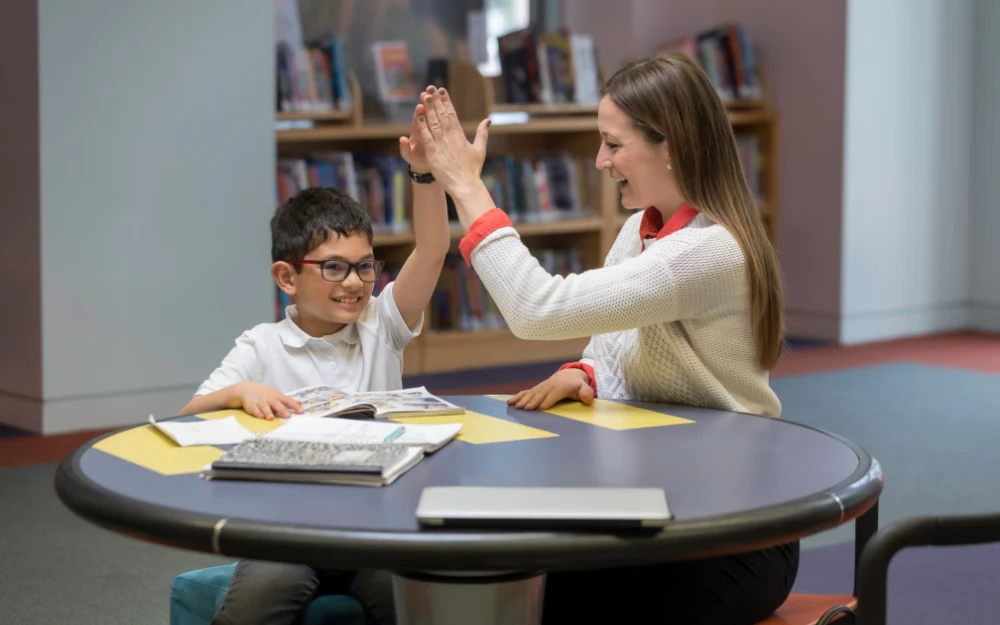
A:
x: 479, y: 428
x: 148, y: 448
x: 608, y: 414
x: 614, y: 416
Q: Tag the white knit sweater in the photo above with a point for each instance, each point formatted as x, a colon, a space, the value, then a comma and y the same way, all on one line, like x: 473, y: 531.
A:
x: 668, y: 324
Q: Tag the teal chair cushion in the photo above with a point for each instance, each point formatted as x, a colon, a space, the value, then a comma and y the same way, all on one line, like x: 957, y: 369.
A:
x: 196, y: 596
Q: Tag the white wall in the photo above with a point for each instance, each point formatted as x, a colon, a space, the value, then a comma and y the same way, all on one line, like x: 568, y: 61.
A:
x: 907, y: 158
x: 986, y: 169
x: 157, y: 169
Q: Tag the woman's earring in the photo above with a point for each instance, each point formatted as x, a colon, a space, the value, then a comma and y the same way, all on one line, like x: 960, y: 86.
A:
x: 669, y: 166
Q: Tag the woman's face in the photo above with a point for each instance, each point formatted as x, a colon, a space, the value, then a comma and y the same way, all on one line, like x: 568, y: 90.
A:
x: 639, y: 166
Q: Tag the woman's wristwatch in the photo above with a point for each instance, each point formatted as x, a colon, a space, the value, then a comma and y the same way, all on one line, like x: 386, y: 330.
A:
x: 419, y: 178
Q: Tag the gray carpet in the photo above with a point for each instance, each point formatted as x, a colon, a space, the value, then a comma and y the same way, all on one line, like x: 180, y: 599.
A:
x: 58, y: 568
x: 934, y: 430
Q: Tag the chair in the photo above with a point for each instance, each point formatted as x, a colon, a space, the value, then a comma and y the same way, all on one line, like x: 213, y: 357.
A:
x: 812, y: 610
x: 873, y: 571
x: 197, y: 595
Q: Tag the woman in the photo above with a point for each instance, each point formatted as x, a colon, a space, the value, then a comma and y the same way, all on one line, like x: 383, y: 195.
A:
x: 687, y: 309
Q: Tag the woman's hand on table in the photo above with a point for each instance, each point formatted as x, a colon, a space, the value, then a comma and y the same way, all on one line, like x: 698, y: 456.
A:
x: 566, y: 384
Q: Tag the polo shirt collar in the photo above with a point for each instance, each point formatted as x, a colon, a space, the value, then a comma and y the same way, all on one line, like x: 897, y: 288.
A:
x: 652, y: 222
x: 294, y: 336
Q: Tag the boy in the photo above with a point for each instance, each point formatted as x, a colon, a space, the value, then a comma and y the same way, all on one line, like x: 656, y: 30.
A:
x: 337, y: 334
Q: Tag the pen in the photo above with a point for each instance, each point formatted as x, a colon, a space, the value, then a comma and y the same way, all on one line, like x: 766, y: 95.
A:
x: 394, y: 434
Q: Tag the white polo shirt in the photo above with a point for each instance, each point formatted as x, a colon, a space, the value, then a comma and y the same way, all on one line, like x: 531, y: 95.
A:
x: 364, y: 356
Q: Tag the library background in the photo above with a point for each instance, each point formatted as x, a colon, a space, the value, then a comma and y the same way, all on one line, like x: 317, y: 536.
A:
x: 139, y: 185
x: 343, y: 101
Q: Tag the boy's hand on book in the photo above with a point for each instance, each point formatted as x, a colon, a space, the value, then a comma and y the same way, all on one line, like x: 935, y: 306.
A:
x: 566, y: 384
x: 265, y: 402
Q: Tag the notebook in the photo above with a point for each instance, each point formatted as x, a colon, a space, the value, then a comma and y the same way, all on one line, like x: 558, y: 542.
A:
x: 275, y: 460
x: 326, y: 401
x: 345, y: 431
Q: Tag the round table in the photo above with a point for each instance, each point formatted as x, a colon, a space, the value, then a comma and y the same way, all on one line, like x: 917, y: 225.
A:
x: 734, y: 482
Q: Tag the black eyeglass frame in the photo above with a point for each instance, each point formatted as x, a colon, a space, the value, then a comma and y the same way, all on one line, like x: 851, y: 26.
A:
x: 377, y: 265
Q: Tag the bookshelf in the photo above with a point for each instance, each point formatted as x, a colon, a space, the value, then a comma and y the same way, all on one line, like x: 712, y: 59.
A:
x: 569, y: 129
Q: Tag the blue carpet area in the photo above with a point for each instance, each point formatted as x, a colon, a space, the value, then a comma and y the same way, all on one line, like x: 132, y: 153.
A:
x: 933, y: 429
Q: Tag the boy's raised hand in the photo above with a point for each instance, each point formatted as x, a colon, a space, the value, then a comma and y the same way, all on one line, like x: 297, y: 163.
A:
x: 264, y: 402
x: 410, y: 148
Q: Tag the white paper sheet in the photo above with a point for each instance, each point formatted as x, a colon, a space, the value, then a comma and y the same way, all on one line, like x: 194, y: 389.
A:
x: 227, y: 431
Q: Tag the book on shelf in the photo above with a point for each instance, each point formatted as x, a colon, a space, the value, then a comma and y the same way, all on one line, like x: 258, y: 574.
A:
x: 752, y: 160
x: 312, y: 78
x: 326, y: 401
x: 549, y: 67
x: 461, y: 302
x: 394, y: 72
x: 269, y: 459
x: 550, y: 186
x: 728, y: 57
x: 547, y: 187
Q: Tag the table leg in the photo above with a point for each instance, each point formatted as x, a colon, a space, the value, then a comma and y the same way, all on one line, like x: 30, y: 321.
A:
x: 864, y: 528
x: 460, y: 598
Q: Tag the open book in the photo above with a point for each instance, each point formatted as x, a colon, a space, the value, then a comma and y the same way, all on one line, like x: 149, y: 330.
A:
x: 430, y: 438
x: 325, y: 401
x: 268, y: 459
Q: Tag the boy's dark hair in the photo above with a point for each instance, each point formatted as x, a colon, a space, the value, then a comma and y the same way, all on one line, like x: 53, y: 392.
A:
x: 305, y: 220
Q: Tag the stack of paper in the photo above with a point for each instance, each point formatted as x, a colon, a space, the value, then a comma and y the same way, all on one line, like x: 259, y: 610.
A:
x: 226, y: 431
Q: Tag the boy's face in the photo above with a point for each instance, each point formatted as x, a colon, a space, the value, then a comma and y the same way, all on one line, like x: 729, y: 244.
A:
x: 323, y: 306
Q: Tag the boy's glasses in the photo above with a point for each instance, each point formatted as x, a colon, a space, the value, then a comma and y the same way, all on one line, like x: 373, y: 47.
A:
x: 338, y: 270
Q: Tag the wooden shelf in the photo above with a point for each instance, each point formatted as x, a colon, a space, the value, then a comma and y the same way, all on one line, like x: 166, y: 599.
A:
x: 393, y: 238
x: 751, y: 117
x: 541, y: 228
x: 376, y: 131
x: 318, y: 116
x: 457, y: 351
x: 540, y: 127
x: 569, y: 108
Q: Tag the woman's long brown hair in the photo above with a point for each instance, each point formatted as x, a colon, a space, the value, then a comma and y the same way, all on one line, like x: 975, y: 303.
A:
x: 669, y: 98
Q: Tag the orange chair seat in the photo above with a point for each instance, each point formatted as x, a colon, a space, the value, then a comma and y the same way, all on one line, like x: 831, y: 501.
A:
x: 807, y: 609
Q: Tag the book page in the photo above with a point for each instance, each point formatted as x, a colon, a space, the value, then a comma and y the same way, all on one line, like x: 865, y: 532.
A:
x: 319, y: 401
x: 409, y: 401
x: 338, y: 431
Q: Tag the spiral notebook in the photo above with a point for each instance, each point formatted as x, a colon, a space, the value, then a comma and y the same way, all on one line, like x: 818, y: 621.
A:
x: 345, y: 431
x: 269, y: 459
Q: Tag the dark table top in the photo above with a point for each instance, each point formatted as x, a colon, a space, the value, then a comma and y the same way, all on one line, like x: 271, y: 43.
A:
x: 733, y: 482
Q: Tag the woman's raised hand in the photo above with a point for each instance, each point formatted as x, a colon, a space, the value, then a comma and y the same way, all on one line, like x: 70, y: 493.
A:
x: 455, y: 162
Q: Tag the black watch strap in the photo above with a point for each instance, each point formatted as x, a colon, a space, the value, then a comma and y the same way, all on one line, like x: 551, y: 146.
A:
x: 420, y: 178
